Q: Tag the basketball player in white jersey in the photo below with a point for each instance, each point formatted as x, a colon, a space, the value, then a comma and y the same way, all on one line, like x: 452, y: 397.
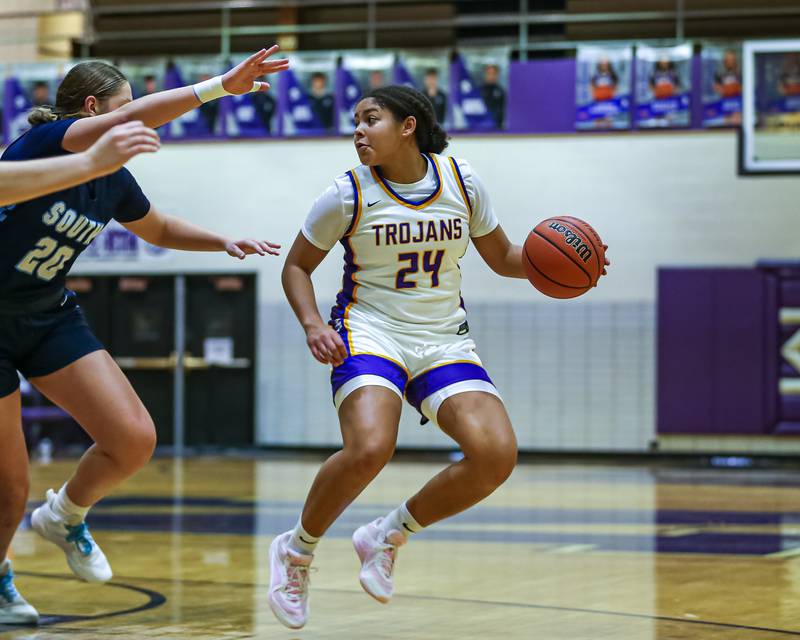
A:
x: 398, y: 329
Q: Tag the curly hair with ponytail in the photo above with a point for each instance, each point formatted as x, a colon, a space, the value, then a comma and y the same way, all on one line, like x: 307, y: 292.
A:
x: 93, y: 78
x: 403, y: 102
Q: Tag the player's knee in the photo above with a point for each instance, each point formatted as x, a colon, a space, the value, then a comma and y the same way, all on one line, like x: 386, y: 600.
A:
x: 496, y: 458
x: 136, y: 447
x: 369, y: 458
x: 504, y: 461
x: 145, y: 440
x: 13, y: 499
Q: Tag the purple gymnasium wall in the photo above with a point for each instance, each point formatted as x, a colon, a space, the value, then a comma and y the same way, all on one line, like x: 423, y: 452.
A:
x: 713, y: 334
x: 542, y: 96
x: 720, y: 366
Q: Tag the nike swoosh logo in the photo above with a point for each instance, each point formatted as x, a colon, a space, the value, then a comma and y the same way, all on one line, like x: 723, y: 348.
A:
x: 406, y: 526
x: 304, y: 540
x: 369, y: 204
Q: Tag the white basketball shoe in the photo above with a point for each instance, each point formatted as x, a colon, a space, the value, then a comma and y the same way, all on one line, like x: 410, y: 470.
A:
x: 13, y: 608
x: 288, y: 582
x: 84, y: 557
x: 378, y: 553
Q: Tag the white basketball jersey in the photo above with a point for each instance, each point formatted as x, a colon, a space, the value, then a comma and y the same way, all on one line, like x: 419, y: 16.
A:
x: 401, y: 257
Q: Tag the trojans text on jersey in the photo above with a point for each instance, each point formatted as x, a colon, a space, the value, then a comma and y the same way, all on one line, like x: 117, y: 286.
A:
x: 421, y: 231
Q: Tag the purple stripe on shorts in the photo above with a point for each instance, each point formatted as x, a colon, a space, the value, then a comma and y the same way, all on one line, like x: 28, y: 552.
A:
x: 366, y: 364
x: 436, y: 379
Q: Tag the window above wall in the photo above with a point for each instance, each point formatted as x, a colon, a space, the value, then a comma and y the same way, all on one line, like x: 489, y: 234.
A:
x: 146, y: 28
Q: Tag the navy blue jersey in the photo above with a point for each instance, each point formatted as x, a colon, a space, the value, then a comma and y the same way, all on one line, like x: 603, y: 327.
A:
x: 40, y: 239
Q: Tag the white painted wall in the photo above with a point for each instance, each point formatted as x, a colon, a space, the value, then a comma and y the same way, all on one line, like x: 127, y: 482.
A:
x: 655, y: 198
x: 661, y: 198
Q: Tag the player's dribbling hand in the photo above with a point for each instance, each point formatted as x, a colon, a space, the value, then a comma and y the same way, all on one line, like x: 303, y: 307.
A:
x: 248, y: 246
x: 119, y: 144
x: 240, y: 79
x: 326, y: 345
x: 608, y: 262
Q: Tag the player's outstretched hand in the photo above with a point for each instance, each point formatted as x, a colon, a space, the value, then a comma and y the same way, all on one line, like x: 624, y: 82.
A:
x: 119, y: 144
x: 326, y: 345
x: 240, y: 79
x: 248, y: 246
x: 608, y: 262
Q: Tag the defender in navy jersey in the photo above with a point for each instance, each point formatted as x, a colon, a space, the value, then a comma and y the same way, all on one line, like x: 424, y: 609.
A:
x: 43, y: 333
x: 40, y: 239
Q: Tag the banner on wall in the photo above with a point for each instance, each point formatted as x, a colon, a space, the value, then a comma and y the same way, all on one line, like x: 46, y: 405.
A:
x: 116, y: 243
x: 200, y: 123
x: 145, y: 76
x: 663, y: 86
x: 778, y: 90
x: 306, y: 94
x: 252, y: 115
x: 478, y: 81
x: 603, y: 88
x: 430, y: 73
x: 358, y: 73
x: 26, y: 86
x: 722, y: 86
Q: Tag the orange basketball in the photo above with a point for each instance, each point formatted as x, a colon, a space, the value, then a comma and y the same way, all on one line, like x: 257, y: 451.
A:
x: 563, y: 257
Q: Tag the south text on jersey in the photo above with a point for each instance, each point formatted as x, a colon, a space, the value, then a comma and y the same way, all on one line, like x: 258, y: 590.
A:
x: 71, y: 224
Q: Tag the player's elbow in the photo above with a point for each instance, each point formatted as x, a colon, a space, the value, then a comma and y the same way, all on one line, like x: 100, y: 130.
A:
x: 291, y: 271
x: 504, y: 266
x: 285, y: 277
x: 500, y: 269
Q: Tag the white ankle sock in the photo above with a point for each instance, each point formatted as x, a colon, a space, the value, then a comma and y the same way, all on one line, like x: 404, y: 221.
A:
x: 64, y: 508
x: 302, y: 541
x: 5, y: 567
x: 400, y: 520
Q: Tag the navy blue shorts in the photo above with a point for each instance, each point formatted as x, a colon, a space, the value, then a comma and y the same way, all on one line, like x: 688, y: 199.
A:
x: 38, y: 344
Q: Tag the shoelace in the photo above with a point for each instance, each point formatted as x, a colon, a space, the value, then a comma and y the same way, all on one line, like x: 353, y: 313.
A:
x: 80, y: 536
x: 385, y: 560
x: 8, y: 591
x: 297, y: 583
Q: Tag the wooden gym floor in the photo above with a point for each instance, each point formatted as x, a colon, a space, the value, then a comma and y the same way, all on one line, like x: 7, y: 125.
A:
x: 572, y: 552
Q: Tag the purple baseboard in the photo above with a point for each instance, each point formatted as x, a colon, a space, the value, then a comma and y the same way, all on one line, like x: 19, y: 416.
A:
x: 787, y: 429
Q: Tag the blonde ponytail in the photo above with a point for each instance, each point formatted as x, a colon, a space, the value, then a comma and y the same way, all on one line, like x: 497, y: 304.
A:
x: 42, y: 114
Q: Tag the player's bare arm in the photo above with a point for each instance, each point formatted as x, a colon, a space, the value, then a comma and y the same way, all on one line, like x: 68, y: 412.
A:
x: 28, y: 179
x: 170, y: 232
x: 162, y: 107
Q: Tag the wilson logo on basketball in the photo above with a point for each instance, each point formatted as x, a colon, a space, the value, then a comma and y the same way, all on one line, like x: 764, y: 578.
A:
x: 573, y: 240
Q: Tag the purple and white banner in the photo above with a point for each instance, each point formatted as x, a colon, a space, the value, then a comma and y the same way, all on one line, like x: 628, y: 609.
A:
x: 722, y: 86
x: 197, y: 124
x: 603, y: 88
x: 145, y: 76
x: 478, y: 81
x: 16, y: 106
x: 663, y: 86
x: 252, y: 115
x: 358, y: 73
x: 25, y: 87
x: 778, y: 89
x: 430, y: 73
x: 307, y: 100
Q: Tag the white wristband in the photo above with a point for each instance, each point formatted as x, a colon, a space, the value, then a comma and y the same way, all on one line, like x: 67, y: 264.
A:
x: 212, y: 89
